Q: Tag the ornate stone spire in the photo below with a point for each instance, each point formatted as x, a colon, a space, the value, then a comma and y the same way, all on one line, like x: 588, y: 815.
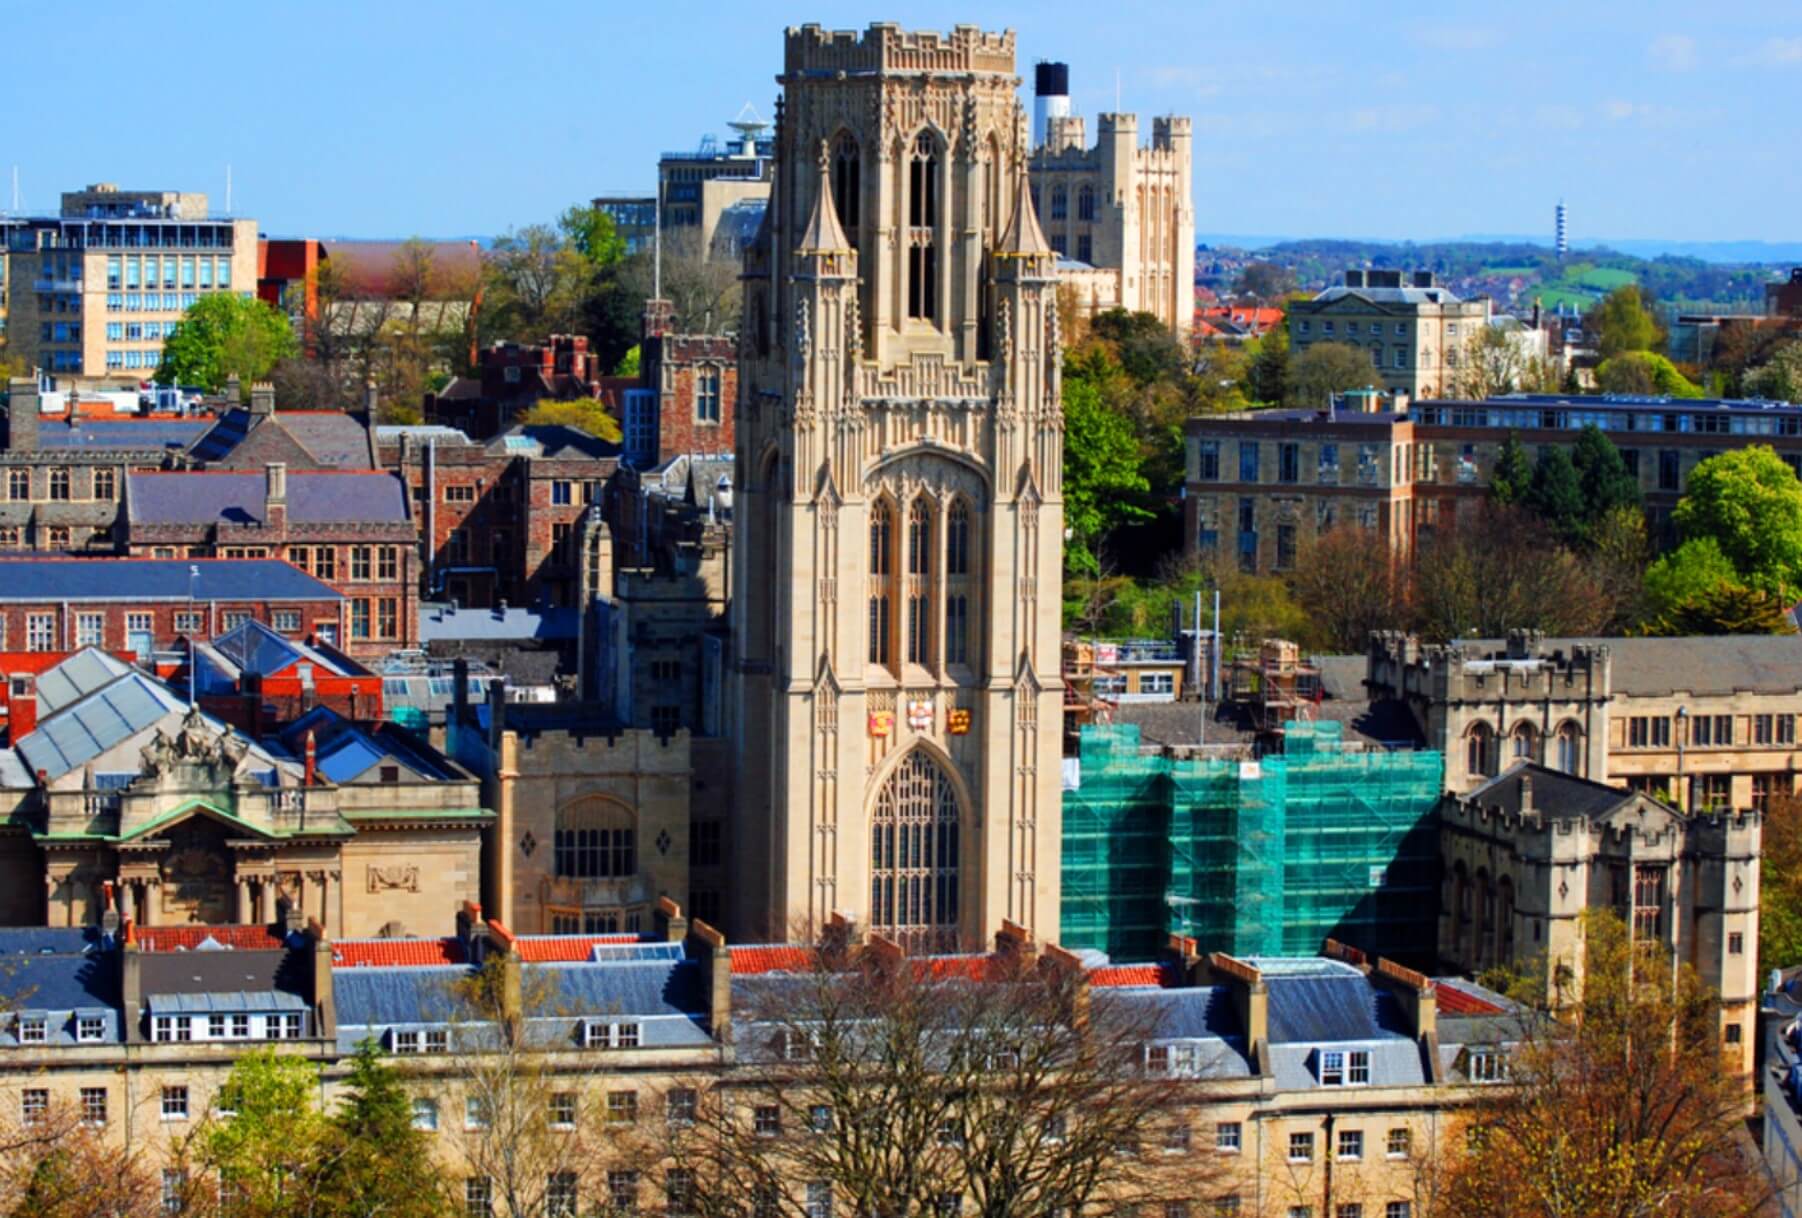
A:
x: 1024, y: 236
x: 824, y: 234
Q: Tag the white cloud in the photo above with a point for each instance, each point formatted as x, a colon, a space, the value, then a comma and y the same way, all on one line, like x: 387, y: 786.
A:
x: 1392, y: 119
x: 1776, y: 53
x: 1673, y: 52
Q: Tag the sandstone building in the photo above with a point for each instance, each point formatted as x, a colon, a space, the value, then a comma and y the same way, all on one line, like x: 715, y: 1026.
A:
x: 1418, y: 333
x: 1120, y: 216
x: 898, y: 505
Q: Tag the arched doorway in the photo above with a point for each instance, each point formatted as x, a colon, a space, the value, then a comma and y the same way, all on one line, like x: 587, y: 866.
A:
x: 914, y: 851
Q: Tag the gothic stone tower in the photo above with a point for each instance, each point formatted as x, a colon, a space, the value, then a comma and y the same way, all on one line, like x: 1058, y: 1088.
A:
x: 898, y: 514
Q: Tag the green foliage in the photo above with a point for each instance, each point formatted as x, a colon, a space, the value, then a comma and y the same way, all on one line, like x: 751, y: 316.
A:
x: 1644, y: 372
x: 1253, y: 606
x: 1101, y: 470
x: 1513, y: 474
x: 381, y: 1164
x: 1145, y: 347
x: 271, y: 1147
x: 1265, y: 281
x: 1749, y: 503
x: 628, y: 364
x: 1697, y: 589
x: 1555, y: 495
x: 1778, y: 378
x: 1268, y: 374
x: 221, y: 335
x: 591, y: 232
x: 1602, y: 475
x: 1624, y: 323
x: 1325, y: 369
x: 586, y: 413
x: 1780, y: 885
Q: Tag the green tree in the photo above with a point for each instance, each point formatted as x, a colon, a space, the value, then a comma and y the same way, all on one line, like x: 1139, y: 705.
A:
x: 1749, y: 503
x: 1623, y: 323
x: 1267, y: 373
x: 1325, y: 369
x: 592, y: 234
x: 1555, y: 495
x: 1644, y: 372
x: 382, y: 1166
x: 1780, y: 884
x: 628, y: 364
x: 586, y: 413
x: 1102, y: 480
x: 1602, y: 475
x: 274, y: 1149
x: 1778, y: 378
x: 223, y: 335
x: 1265, y: 281
x: 1513, y: 475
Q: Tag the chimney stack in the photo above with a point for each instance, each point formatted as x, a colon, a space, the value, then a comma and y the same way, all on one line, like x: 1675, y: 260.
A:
x: 312, y: 773
x: 262, y: 398
x: 22, y: 415
x: 275, y: 496
x: 371, y: 398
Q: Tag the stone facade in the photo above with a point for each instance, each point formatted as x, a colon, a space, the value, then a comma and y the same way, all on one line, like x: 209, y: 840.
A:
x: 1525, y: 854
x: 1417, y: 332
x: 1708, y: 724
x: 1122, y: 210
x: 897, y: 506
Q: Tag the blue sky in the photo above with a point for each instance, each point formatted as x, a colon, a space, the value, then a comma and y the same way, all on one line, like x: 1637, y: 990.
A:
x: 388, y: 118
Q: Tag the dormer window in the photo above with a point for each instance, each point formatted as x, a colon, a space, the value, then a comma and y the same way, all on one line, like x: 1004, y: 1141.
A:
x: 1344, y: 1068
x: 604, y: 1034
x: 33, y: 1029
x: 406, y: 1042
x: 90, y: 1028
x: 1485, y: 1065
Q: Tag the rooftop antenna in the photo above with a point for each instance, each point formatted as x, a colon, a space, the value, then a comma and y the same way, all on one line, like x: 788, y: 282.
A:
x: 749, y: 125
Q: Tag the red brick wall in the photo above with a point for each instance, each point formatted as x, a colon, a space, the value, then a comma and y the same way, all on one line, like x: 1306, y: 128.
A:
x: 673, y: 366
x: 164, y: 633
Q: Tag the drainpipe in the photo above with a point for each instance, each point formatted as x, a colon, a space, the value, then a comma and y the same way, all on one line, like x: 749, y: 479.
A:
x: 1678, y: 796
x: 1326, y: 1201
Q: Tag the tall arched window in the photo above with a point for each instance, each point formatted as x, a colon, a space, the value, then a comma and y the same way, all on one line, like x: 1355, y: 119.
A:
x: 957, y: 583
x: 919, y: 582
x: 882, y: 528
x: 1060, y: 203
x: 914, y: 856
x: 922, y: 219
x: 1526, y: 742
x: 1479, y: 750
x: 847, y: 184
x: 595, y: 839
x: 1085, y: 203
x: 1570, y: 747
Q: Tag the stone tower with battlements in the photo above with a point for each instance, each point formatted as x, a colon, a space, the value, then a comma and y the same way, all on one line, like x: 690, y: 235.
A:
x: 898, y: 512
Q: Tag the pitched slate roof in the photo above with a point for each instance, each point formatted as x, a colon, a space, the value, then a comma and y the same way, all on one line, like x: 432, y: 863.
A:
x: 1553, y: 791
x: 48, y: 940
x: 244, y: 970
x: 551, y: 440
x: 123, y: 433
x: 251, y: 646
x: 335, y: 439
x: 442, y: 623
x: 59, y: 983
x: 1323, y: 1005
x: 314, y: 497
x: 52, y: 580
x: 1713, y: 665
x: 345, y: 751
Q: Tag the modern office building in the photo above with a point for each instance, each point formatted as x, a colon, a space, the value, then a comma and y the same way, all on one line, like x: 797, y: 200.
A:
x: 97, y: 288
x: 702, y: 188
x: 1417, y: 332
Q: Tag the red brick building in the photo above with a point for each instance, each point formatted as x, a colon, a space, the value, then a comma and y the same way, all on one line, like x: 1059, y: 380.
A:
x: 511, y: 379
x: 497, y: 520
x: 351, y: 530
x: 136, y: 606
x: 683, y: 405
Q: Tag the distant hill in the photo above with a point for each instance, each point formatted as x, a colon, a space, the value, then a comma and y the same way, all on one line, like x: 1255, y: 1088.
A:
x: 1515, y: 274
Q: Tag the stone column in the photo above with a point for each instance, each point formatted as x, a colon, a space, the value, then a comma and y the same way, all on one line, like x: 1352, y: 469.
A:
x: 325, y: 899
x: 147, y: 903
x: 300, y: 893
x: 243, y: 911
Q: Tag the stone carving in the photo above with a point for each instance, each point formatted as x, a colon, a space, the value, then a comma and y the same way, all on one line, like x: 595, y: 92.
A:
x: 402, y: 876
x: 193, y: 744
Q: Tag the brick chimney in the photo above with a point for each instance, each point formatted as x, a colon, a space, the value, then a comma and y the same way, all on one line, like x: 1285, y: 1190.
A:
x: 659, y: 319
x: 275, y: 496
x: 325, y: 1007
x: 716, y: 967
x: 262, y: 398
x: 22, y: 415
x: 1251, y: 1002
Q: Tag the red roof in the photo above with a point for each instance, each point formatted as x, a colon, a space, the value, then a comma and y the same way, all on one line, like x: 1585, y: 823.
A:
x: 367, y: 953
x: 1129, y: 974
x: 771, y: 958
x: 1456, y: 1001
x: 566, y: 949
x: 187, y: 938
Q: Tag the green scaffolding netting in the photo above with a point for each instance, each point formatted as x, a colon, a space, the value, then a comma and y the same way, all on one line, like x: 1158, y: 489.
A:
x: 1253, y: 858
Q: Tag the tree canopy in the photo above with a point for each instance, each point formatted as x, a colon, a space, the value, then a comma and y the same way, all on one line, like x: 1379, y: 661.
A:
x: 1644, y: 372
x: 1101, y: 471
x: 1325, y: 369
x: 586, y: 413
x: 1749, y: 503
x: 1623, y: 323
x: 222, y: 335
